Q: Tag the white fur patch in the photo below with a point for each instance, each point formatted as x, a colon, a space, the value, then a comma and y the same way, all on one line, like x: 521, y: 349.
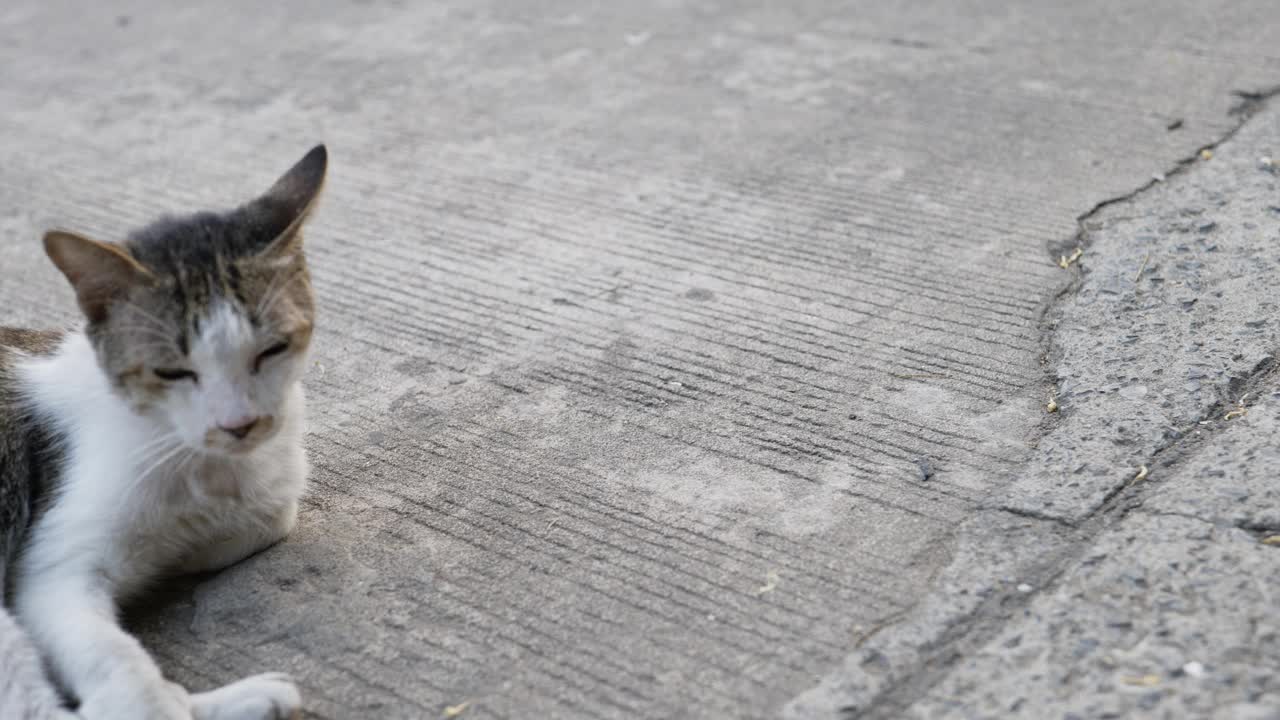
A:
x: 24, y: 693
x: 137, y: 498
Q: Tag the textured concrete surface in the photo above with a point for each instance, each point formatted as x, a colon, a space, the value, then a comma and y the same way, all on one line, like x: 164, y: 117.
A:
x: 1169, y: 611
x: 1179, y: 309
x: 691, y: 359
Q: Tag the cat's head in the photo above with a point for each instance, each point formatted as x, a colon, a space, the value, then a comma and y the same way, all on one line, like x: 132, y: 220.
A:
x: 203, y: 321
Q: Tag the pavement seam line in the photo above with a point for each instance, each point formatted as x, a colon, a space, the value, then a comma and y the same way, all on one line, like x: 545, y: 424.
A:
x: 967, y: 634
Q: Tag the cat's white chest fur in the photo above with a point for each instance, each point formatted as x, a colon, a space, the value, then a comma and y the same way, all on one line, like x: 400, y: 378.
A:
x: 177, y: 419
x: 131, y: 504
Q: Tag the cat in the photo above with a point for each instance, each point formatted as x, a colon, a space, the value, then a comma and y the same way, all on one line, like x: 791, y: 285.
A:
x: 164, y: 436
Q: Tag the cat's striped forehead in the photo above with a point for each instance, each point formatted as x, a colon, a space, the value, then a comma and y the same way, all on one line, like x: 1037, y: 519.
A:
x: 207, y: 261
x: 148, y: 299
x: 193, y: 307
x: 205, y: 240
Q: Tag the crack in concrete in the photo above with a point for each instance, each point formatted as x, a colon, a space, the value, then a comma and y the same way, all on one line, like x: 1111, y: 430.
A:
x: 1033, y: 515
x: 969, y: 633
x: 1174, y: 513
x: 1117, y: 505
x: 1250, y: 103
x: 1261, y: 530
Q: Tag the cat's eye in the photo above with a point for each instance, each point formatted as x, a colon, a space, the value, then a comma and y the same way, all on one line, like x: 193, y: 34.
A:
x: 174, y: 374
x: 269, y: 353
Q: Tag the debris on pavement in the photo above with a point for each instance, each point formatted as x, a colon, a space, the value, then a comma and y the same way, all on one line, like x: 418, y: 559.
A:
x: 1142, y: 474
x: 1065, y: 262
x: 1271, y: 540
x: 1142, y: 267
x: 1206, y: 154
x: 925, y: 469
x: 1052, y: 405
x: 1193, y: 669
x: 770, y: 583
x: 454, y: 711
x: 1141, y: 680
x: 1239, y: 411
x: 1266, y: 163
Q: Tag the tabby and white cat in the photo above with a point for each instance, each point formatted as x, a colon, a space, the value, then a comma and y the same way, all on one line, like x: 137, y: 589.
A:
x: 166, y: 436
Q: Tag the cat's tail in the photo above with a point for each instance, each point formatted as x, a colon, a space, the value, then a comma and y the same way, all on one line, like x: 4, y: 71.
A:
x: 25, y: 692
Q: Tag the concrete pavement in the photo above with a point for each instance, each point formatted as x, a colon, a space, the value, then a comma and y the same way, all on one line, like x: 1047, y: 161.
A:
x: 1147, y: 521
x: 691, y: 359
x: 1168, y: 612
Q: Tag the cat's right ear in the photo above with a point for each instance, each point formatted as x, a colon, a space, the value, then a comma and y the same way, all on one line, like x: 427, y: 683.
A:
x: 99, y: 272
x: 283, y: 208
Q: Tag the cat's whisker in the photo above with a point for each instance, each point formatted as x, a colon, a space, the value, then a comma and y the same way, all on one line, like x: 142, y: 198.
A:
x: 152, y: 450
x: 146, y: 331
x: 155, y: 347
x: 164, y: 458
x: 135, y: 326
x: 157, y: 342
x: 152, y: 444
x: 147, y: 315
x: 165, y: 332
x: 185, y: 460
x: 272, y: 287
x: 146, y: 448
x: 149, y: 449
x: 271, y: 298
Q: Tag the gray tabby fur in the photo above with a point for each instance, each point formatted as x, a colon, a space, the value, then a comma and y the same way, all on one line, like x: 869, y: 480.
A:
x: 243, y: 256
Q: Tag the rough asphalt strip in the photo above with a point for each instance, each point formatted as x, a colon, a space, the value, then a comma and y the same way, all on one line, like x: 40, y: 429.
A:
x: 1147, y: 526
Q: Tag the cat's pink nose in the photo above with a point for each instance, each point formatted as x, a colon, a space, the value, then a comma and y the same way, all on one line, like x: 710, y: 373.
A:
x: 241, y: 429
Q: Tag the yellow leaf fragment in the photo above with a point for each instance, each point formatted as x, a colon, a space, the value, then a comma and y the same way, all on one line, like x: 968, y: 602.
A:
x: 1065, y: 261
x: 1142, y: 267
x: 1239, y: 411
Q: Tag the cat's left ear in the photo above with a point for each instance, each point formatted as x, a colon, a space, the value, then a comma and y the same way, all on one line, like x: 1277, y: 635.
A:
x: 283, y: 209
x: 100, y: 272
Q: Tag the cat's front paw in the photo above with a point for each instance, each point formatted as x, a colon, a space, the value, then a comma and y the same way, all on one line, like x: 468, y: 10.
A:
x: 270, y: 696
x: 154, y: 699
